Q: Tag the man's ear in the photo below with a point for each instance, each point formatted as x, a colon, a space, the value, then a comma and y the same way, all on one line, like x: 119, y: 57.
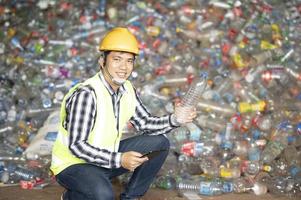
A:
x: 101, y: 61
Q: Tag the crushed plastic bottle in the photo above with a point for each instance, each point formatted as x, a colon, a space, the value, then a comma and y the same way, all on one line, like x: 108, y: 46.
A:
x: 192, y: 97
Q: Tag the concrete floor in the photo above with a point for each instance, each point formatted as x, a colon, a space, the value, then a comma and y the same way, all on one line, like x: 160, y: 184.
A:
x: 54, y: 191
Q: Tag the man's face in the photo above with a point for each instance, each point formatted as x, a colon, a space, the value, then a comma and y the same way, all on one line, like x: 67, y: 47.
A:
x: 119, y: 65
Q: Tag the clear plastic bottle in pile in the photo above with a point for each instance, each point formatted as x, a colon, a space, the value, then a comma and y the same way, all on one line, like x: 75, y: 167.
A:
x: 211, y: 106
x: 278, y: 167
x: 165, y: 182
x: 206, y: 187
x: 283, y: 186
x: 196, y: 149
x: 191, y: 98
x: 245, y: 184
x: 277, y: 143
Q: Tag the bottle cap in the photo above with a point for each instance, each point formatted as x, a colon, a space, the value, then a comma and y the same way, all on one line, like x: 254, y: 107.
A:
x: 267, y: 168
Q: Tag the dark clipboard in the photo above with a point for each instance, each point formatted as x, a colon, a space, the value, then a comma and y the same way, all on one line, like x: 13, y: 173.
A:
x: 152, y: 154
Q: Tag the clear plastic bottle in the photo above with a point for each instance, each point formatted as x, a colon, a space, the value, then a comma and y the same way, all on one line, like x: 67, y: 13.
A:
x: 230, y: 172
x: 205, y: 187
x: 205, y: 38
x: 166, y: 182
x: 177, y: 137
x: 6, y: 129
x: 216, y: 124
x: 292, y: 155
x: 277, y: 167
x: 25, y: 174
x: 263, y: 122
x: 251, y: 167
x: 210, y: 166
x: 254, y: 152
x: 210, y: 106
x: 283, y: 186
x: 245, y: 184
x: 253, y: 73
x: 196, y: 149
x: 274, y: 147
x: 229, y: 136
x: 195, y: 131
x: 191, y: 98
x: 295, y: 172
x: 34, y: 112
x: 241, y: 148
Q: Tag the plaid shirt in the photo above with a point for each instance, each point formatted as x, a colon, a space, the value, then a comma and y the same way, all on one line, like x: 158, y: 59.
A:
x: 81, y: 113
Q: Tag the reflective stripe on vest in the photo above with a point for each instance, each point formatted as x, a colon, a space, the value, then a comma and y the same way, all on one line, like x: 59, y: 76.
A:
x: 104, y: 134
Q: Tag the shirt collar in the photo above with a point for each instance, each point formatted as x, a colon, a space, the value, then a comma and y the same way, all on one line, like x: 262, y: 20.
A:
x: 121, y: 89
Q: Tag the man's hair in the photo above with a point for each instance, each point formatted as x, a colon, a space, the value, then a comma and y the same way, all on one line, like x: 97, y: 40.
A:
x: 104, y: 55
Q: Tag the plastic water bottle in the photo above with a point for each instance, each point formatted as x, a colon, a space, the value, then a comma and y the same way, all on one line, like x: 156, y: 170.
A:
x: 205, y: 187
x: 245, y: 184
x: 291, y: 155
x: 278, y: 142
x: 277, y: 167
x: 191, y: 98
x: 165, y: 182
x: 6, y: 129
x: 249, y: 167
x: 210, y: 106
x: 263, y: 122
x: 216, y: 124
x: 196, y: 149
x: 210, y: 166
x: 283, y: 186
x: 25, y: 174
x: 254, y: 151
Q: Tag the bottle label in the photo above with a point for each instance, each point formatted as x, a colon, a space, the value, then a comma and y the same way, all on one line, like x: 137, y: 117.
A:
x: 205, y: 188
x: 227, y: 144
x: 273, y: 149
x: 225, y: 173
x: 195, y: 131
x: 51, y: 136
x: 276, y: 147
x: 254, y: 154
x: 199, y: 148
x: 259, y: 106
x: 295, y: 170
x: 188, y: 148
x: 244, y: 107
x: 228, y: 187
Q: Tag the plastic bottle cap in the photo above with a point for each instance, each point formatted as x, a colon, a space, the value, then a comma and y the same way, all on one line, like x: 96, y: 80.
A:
x: 267, y: 168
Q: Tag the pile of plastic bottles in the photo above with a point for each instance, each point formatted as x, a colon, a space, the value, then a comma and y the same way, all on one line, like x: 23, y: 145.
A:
x: 247, y: 136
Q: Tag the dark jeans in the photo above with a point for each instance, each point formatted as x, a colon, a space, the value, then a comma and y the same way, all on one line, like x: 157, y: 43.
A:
x: 91, y: 182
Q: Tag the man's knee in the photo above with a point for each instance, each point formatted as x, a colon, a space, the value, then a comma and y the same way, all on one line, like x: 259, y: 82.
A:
x: 102, y: 192
x: 163, y: 142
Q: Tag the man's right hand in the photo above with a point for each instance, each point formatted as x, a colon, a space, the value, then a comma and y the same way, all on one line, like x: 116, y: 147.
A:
x: 131, y: 160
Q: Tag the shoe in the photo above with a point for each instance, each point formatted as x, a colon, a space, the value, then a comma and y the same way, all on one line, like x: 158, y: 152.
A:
x: 63, y: 196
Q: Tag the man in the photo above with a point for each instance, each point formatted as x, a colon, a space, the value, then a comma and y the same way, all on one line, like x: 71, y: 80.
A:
x: 88, y: 152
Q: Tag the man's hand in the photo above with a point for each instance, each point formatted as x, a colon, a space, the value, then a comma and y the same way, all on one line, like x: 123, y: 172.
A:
x: 131, y: 160
x: 184, y: 114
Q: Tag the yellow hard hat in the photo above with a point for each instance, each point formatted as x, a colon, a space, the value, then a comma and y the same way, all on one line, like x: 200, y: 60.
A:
x: 119, y: 39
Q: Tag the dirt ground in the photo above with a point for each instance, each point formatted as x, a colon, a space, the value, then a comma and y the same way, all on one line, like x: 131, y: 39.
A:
x: 53, y: 192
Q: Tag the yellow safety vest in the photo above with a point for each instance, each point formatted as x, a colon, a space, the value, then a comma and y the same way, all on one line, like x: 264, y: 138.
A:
x: 104, y: 134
